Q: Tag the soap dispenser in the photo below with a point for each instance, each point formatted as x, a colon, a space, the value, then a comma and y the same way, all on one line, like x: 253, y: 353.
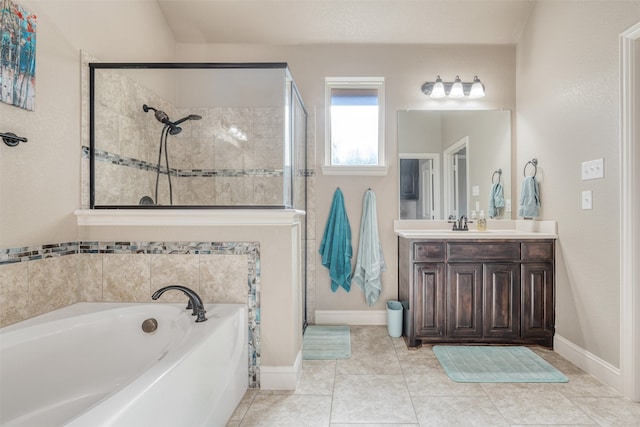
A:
x: 482, y: 221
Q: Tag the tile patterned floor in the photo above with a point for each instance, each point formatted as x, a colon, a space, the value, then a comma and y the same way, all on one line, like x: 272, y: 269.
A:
x: 385, y: 384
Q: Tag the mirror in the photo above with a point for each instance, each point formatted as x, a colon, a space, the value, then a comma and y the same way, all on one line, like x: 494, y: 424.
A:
x: 450, y: 162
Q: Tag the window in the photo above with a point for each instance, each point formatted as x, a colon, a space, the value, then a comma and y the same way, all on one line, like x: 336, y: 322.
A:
x: 354, y: 126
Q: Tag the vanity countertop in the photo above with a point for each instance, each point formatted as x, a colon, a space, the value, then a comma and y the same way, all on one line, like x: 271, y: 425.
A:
x: 501, y: 229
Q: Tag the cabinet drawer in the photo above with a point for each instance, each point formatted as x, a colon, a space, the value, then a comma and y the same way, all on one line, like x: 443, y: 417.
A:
x: 537, y: 251
x: 483, y: 251
x: 428, y: 251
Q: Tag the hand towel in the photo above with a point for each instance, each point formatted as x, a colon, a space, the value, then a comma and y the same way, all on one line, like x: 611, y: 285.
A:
x: 370, y: 260
x: 496, y: 200
x: 335, y: 247
x: 529, y: 198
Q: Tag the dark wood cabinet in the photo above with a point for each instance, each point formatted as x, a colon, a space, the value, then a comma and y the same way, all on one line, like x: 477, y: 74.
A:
x: 477, y: 291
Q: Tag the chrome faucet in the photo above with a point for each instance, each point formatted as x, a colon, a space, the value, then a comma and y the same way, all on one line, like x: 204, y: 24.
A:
x: 195, y: 302
x: 460, y: 224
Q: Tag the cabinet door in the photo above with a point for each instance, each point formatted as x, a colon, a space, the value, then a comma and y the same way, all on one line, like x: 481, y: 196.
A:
x: 429, y: 299
x: 464, y: 300
x: 537, y: 300
x: 501, y: 286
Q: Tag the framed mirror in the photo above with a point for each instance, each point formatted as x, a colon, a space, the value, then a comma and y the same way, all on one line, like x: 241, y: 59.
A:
x: 450, y: 162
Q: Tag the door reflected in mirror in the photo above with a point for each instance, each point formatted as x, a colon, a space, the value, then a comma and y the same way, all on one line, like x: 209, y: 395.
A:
x: 447, y: 161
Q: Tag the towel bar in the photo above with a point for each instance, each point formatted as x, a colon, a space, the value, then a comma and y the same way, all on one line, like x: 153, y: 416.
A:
x: 499, y: 172
x: 534, y: 163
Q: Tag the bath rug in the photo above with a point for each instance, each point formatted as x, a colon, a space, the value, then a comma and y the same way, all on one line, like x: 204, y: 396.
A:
x: 326, y: 342
x: 496, y: 364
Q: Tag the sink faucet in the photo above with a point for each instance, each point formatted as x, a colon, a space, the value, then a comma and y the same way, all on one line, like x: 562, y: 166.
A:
x: 195, y: 302
x: 461, y: 224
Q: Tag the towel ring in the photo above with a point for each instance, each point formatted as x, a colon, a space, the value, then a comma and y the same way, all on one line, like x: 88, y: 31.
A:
x: 534, y: 163
x: 499, y: 172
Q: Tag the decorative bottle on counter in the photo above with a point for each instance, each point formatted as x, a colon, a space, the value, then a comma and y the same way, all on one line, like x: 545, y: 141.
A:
x: 482, y: 222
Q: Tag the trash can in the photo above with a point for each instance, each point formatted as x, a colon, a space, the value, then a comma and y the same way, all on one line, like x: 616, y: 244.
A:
x: 394, y: 318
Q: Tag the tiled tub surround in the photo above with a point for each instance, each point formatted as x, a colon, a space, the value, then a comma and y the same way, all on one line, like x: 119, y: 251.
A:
x: 206, y: 160
x: 40, y: 279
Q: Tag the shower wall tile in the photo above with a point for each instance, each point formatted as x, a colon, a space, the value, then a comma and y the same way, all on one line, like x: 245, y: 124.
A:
x: 267, y: 191
x: 268, y: 122
x: 131, y: 136
x: 107, y: 129
x: 89, y: 277
x: 14, y: 293
x: 175, y: 269
x: 224, y: 278
x: 126, y: 278
x: 203, y: 190
x: 53, y: 284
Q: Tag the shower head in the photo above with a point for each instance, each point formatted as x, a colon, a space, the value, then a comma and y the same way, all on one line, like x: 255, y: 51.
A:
x: 160, y: 115
x: 189, y: 117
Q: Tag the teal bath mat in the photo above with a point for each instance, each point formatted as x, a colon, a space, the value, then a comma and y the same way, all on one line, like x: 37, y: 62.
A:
x: 496, y: 364
x: 326, y: 342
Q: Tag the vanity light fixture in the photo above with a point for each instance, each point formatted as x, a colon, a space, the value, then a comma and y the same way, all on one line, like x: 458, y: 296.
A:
x: 455, y: 89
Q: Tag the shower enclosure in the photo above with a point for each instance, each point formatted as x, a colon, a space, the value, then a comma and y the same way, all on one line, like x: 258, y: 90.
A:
x: 184, y: 135
x: 197, y: 136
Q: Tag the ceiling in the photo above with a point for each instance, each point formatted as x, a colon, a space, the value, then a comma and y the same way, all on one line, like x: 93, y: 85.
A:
x: 346, y: 21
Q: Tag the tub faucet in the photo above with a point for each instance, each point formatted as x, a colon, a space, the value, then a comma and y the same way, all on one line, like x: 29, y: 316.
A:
x: 195, y: 302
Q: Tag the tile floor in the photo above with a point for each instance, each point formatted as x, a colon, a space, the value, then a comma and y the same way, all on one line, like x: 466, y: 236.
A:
x: 385, y: 384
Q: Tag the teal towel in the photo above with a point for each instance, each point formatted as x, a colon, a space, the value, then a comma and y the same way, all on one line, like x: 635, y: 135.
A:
x: 335, y: 247
x: 370, y: 260
x: 529, y: 198
x: 496, y: 200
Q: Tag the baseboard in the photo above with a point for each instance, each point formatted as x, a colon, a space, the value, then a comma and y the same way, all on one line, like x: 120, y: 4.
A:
x: 590, y: 363
x: 351, y: 317
x: 281, y: 377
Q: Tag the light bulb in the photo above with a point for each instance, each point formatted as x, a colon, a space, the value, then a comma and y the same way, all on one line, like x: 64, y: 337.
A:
x: 438, y: 89
x: 457, y: 91
x: 477, y: 88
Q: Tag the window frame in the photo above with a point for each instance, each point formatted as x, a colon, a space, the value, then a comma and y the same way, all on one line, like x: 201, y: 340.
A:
x: 376, y: 83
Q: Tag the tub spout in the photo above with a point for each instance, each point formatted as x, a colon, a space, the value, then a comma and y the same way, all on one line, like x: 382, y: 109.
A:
x: 195, y: 302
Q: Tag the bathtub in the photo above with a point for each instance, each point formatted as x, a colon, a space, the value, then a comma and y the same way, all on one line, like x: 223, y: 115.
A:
x: 91, y: 364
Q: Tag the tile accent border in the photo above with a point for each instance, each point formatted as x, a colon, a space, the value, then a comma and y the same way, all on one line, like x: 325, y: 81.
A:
x: 117, y: 159
x: 250, y: 249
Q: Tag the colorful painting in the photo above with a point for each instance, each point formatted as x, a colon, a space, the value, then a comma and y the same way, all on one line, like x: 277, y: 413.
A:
x: 17, y: 55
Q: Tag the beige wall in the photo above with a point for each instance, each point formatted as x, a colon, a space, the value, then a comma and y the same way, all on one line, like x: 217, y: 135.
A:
x: 405, y: 68
x: 40, y: 180
x: 568, y: 103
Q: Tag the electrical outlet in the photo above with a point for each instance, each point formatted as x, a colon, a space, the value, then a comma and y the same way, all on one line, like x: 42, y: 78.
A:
x: 587, y: 200
x: 507, y: 205
x: 593, y: 169
x: 475, y: 190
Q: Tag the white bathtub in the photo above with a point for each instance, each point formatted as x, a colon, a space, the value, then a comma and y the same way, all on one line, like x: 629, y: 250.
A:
x: 90, y: 364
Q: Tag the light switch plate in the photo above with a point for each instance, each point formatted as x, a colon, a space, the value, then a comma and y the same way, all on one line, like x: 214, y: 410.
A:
x: 587, y: 200
x: 593, y: 169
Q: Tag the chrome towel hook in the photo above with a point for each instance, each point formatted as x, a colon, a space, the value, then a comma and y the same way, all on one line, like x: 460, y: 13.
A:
x: 534, y: 163
x: 11, y: 139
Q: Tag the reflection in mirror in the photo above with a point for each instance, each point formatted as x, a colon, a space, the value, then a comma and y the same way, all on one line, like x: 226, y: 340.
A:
x: 470, y: 145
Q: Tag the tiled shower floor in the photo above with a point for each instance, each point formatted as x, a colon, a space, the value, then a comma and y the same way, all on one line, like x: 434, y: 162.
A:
x: 385, y: 384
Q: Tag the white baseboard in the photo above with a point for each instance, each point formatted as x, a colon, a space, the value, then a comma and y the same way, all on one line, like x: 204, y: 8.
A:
x: 590, y: 363
x: 351, y: 317
x: 281, y: 377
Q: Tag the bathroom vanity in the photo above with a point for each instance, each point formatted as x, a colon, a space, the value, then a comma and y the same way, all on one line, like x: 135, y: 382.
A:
x: 494, y: 287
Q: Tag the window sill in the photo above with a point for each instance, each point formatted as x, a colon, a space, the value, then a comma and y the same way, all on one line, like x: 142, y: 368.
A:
x: 355, y: 170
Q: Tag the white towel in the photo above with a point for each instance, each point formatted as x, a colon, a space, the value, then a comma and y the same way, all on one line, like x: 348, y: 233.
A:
x: 370, y: 260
